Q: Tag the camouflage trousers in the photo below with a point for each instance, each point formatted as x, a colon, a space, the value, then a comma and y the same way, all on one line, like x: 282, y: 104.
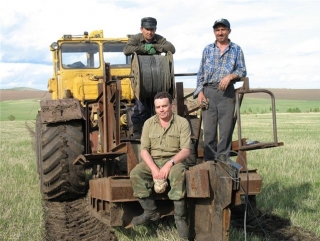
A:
x: 142, y: 181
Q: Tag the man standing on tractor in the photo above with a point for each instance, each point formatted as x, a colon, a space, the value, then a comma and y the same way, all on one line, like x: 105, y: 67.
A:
x: 221, y: 64
x: 165, y: 144
x: 148, y: 43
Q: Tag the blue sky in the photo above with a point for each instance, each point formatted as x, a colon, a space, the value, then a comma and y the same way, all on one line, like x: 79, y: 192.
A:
x: 280, y: 39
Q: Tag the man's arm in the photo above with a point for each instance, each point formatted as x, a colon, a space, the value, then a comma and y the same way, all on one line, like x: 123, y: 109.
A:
x: 146, y: 157
x: 185, y: 145
x: 134, y: 45
x: 185, y: 142
x: 240, y: 71
x: 145, y: 148
x: 179, y: 157
x: 163, y: 46
x: 200, y: 79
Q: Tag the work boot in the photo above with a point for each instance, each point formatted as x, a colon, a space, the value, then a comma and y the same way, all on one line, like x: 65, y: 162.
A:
x: 180, y: 218
x: 136, y: 130
x: 150, y: 212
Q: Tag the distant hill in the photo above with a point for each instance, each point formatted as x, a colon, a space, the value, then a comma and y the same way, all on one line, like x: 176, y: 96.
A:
x: 22, y: 88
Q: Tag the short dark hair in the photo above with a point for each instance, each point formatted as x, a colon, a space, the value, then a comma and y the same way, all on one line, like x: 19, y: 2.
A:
x: 162, y: 95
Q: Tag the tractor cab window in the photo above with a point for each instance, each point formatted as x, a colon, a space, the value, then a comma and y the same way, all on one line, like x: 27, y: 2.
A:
x: 113, y: 54
x: 80, y: 55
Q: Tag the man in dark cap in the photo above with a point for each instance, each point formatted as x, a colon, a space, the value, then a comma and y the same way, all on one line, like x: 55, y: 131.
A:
x: 149, y: 43
x: 222, y: 63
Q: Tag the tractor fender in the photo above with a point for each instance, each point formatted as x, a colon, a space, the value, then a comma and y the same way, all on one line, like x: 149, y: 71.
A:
x: 53, y: 111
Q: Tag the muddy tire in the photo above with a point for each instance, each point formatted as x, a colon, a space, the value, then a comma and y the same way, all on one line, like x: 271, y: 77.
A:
x: 58, y: 145
x: 37, y: 142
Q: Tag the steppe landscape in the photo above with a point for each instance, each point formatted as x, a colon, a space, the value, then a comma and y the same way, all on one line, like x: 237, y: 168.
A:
x: 288, y: 202
x: 282, y: 94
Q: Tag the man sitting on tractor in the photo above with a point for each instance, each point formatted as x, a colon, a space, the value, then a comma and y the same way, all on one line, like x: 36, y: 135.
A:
x: 165, y: 144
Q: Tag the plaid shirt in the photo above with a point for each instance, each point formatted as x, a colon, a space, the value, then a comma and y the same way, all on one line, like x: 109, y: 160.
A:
x: 214, y: 67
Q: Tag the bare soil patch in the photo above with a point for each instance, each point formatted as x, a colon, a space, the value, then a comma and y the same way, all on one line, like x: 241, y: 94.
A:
x: 73, y: 221
x: 270, y: 227
x: 23, y: 94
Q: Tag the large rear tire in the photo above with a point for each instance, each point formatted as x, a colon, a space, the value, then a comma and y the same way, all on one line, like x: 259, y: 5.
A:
x: 58, y: 145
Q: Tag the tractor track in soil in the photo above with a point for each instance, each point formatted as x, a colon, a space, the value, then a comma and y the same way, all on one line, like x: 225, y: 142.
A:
x: 270, y: 227
x: 72, y: 220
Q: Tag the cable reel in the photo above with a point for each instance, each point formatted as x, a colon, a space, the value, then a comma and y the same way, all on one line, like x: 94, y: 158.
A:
x: 152, y: 74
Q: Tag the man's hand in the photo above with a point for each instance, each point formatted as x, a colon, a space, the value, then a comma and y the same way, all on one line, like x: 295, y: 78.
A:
x: 150, y: 49
x: 201, y: 99
x: 164, y: 171
x: 225, y: 81
x: 147, y: 47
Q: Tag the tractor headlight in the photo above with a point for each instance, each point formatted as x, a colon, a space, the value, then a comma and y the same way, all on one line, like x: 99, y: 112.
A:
x: 54, y: 46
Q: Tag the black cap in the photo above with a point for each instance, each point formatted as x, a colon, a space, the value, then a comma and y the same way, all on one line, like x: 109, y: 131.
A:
x: 149, y: 22
x: 222, y: 21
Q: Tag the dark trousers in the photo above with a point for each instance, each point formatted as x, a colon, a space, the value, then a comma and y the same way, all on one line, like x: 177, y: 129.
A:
x: 143, y: 109
x: 219, y: 116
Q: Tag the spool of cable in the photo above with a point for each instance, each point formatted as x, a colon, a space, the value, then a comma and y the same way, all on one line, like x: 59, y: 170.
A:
x: 152, y: 74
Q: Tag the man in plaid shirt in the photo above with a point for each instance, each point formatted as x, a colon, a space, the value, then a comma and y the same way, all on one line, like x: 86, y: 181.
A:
x: 222, y: 63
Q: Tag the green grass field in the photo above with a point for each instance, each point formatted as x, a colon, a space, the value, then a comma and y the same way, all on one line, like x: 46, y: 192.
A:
x: 253, y: 106
x: 27, y: 109
x: 291, y: 174
x: 20, y: 109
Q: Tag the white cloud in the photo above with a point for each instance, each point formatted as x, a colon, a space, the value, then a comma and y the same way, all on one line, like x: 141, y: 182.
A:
x: 24, y: 75
x: 280, y: 39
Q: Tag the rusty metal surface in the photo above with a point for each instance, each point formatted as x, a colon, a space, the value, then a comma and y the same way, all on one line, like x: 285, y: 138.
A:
x: 211, y: 215
x: 115, y: 189
x: 113, y: 203
x: 108, y: 213
x: 53, y: 111
x: 239, y: 96
x: 197, y: 183
x: 250, y: 182
x: 180, y: 99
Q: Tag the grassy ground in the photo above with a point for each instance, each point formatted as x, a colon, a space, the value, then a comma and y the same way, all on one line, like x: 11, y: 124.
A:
x: 20, y: 200
x: 19, y: 109
x: 27, y: 109
x: 261, y: 106
x: 290, y: 174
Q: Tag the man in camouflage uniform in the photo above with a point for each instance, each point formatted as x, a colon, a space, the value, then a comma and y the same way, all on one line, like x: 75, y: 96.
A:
x: 165, y: 144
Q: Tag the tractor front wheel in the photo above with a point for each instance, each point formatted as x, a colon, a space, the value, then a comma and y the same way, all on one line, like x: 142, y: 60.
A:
x: 58, y: 145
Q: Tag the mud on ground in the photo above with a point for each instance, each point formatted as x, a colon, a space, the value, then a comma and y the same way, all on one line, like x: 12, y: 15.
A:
x: 270, y: 227
x: 73, y: 221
